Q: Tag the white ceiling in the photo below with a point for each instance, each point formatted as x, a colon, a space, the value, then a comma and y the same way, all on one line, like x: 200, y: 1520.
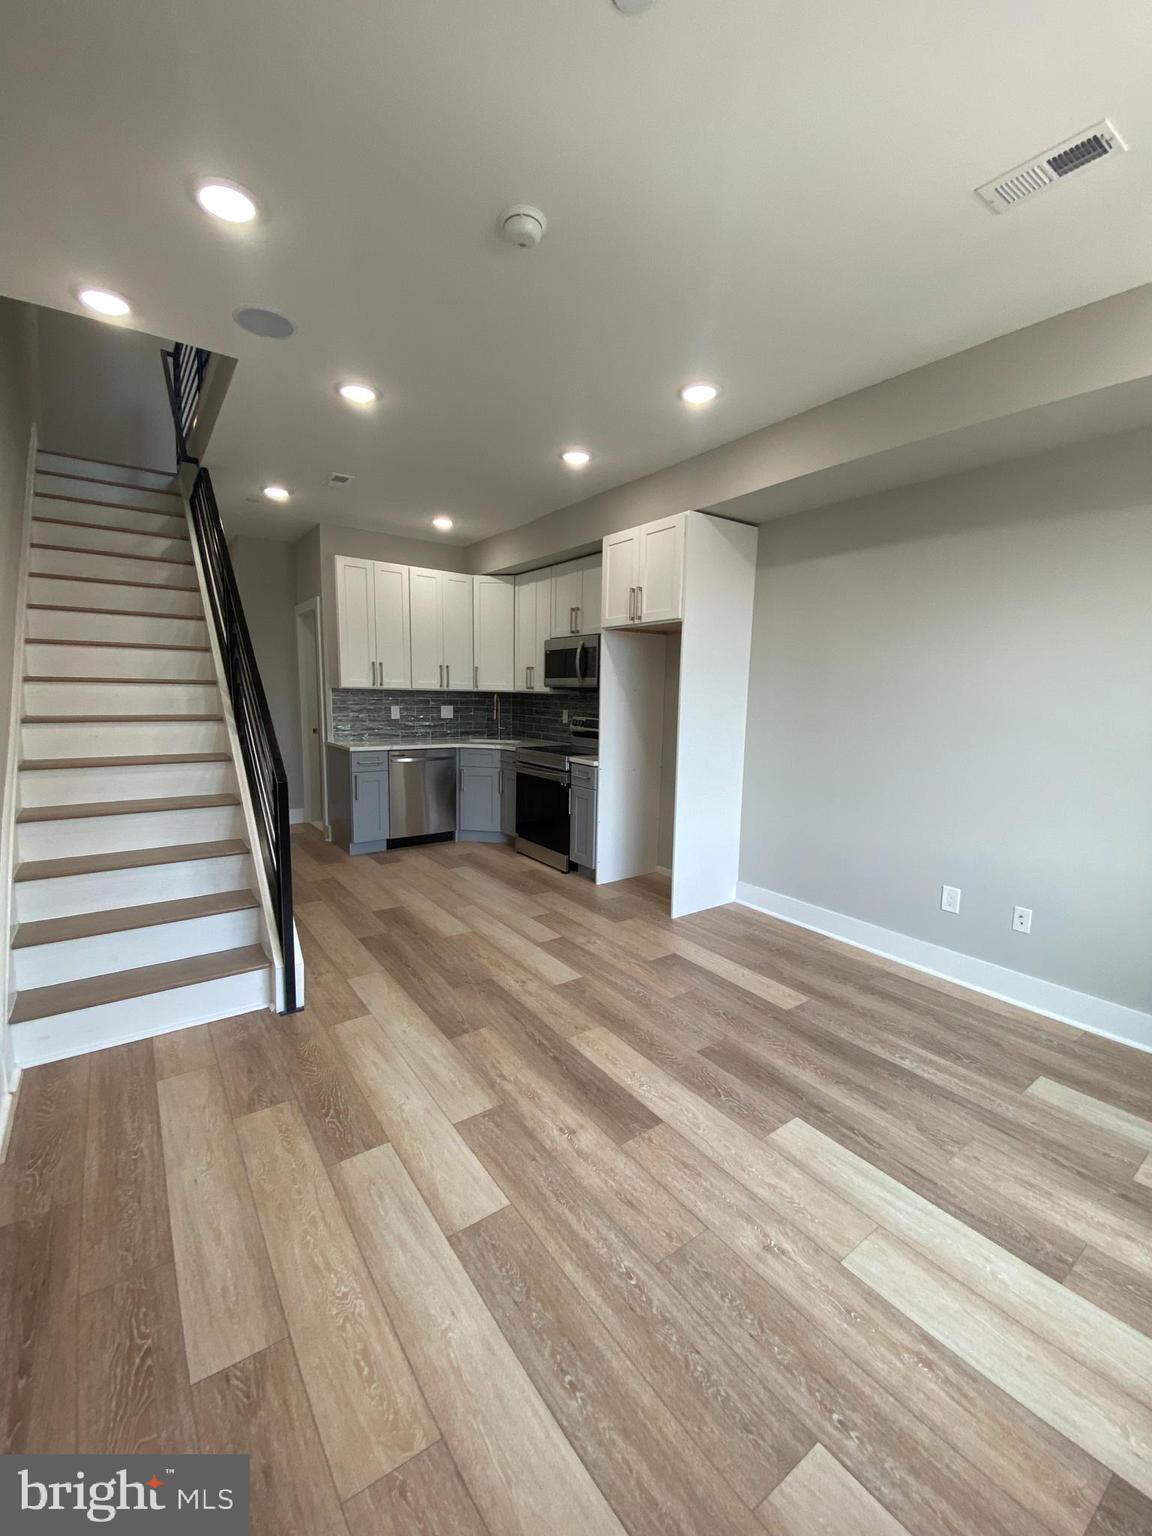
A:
x: 777, y: 196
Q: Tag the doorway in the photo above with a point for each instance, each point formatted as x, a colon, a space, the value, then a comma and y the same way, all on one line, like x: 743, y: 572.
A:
x: 310, y: 670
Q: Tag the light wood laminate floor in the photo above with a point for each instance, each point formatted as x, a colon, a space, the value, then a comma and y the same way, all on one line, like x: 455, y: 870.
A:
x: 550, y: 1216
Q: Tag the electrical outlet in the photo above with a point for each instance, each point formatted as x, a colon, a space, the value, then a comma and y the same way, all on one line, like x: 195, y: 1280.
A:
x: 949, y: 898
x: 1022, y: 919
x: 395, y: 711
x: 446, y: 711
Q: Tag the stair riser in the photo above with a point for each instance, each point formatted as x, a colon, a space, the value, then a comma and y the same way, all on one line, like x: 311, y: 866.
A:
x: 150, y: 738
x: 92, y: 492
x: 61, y: 592
x: 59, y: 624
x: 78, y: 836
x: 139, y: 1018
x: 147, y: 479
x: 106, y: 661
x: 63, y: 562
x: 106, y: 541
x: 44, y: 965
x: 143, y: 781
x: 73, y: 894
x: 81, y: 698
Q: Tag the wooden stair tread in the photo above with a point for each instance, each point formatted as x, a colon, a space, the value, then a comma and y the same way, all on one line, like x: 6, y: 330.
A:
x: 119, y: 645
x: 87, y: 925
x: 105, y: 554
x: 31, y: 764
x: 107, y: 581
x: 35, y: 813
x: 112, y: 719
x: 92, y: 991
x: 116, y: 613
x: 143, y: 533
x: 86, y: 458
x: 129, y: 858
x: 85, y: 677
x: 122, y: 485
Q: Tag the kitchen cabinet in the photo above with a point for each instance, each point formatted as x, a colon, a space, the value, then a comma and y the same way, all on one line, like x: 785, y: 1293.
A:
x: 508, y: 794
x: 533, y: 626
x: 643, y: 574
x: 358, y: 799
x: 441, y: 624
x: 576, y: 596
x: 372, y: 624
x: 493, y: 632
x: 479, y: 792
x: 582, y: 847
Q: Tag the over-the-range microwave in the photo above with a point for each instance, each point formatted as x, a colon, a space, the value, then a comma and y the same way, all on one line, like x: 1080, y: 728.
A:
x: 573, y: 661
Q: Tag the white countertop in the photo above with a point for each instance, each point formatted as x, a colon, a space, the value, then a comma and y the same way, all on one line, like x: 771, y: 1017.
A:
x: 592, y: 762
x: 394, y: 744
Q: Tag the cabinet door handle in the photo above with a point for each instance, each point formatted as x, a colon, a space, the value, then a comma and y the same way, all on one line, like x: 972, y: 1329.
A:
x: 631, y: 604
x: 476, y: 675
x: 579, y: 616
x: 447, y: 675
x: 440, y: 684
x: 355, y: 786
x: 639, y: 603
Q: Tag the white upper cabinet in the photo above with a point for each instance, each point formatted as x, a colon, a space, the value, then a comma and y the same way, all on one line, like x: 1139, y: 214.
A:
x: 644, y: 574
x: 533, y: 628
x: 441, y: 622
x: 493, y: 630
x: 576, y: 596
x: 372, y: 624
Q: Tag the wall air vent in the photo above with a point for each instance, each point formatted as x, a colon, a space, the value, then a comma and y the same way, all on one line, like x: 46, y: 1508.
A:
x: 1045, y: 170
x: 339, y: 479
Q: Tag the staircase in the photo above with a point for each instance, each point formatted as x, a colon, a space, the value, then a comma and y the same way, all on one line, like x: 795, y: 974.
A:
x: 135, y: 892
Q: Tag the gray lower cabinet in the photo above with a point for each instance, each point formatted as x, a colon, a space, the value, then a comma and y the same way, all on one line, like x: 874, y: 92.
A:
x: 508, y: 795
x: 582, y: 848
x: 358, y: 800
x: 478, y: 812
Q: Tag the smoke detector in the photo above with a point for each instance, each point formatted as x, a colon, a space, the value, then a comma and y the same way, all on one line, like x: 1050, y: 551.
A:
x: 1046, y: 169
x: 523, y: 225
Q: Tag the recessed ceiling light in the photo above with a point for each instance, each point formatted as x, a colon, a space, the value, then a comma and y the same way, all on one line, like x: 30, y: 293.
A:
x: 699, y: 394
x: 358, y: 394
x: 102, y: 301
x: 225, y: 200
x: 442, y: 522
x: 576, y: 458
x: 276, y: 493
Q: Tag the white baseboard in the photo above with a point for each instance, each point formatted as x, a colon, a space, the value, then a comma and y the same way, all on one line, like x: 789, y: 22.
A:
x: 8, y: 1112
x: 1080, y: 1009
x: 295, y: 815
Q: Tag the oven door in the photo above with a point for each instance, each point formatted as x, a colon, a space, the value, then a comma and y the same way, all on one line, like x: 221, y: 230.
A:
x: 544, y: 815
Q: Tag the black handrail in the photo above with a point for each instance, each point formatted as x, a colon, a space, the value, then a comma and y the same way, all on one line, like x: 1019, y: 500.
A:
x: 184, y: 370
x: 263, y: 765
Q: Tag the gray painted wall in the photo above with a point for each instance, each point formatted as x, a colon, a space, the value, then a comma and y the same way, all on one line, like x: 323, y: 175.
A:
x: 266, y: 576
x: 951, y: 683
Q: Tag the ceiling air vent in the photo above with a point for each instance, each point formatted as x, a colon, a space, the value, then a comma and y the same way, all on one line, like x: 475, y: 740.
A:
x: 1046, y: 169
x: 338, y: 479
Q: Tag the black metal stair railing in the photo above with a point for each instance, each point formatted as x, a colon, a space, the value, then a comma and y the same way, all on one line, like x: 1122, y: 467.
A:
x: 259, y: 749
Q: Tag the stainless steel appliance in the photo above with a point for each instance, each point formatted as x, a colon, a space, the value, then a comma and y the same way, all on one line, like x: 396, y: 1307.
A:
x: 421, y: 792
x: 544, y: 794
x: 573, y: 661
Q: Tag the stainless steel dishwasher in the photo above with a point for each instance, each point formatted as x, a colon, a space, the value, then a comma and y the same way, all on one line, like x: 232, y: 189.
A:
x: 421, y: 792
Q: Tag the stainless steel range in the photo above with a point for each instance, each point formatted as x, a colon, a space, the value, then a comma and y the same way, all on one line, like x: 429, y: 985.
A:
x: 544, y: 793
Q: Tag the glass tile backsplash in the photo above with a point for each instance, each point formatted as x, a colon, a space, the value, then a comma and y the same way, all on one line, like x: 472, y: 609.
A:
x: 366, y: 713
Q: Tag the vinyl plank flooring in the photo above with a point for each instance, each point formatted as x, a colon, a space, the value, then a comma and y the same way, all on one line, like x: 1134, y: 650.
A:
x: 369, y: 1411
x: 650, y: 1217
x: 651, y: 1024
x: 345, y: 952
x: 1003, y: 1442
x: 558, y: 1009
x: 1050, y: 1310
x: 1112, y: 1286
x: 537, y: 959
x: 1096, y: 1112
x: 228, y: 1300
x: 1084, y: 1407
x: 183, y: 1050
x: 125, y: 1223
x: 731, y: 970
x: 739, y: 1423
x: 653, y: 1473
x: 434, y: 1059
x: 755, y: 1163
x: 646, y: 946
x: 1143, y: 1174
x: 520, y: 1470
x: 134, y: 1395
x: 251, y: 1067
x: 45, y: 1159
x: 589, y: 954
x: 428, y: 913
x: 424, y: 1497
x: 819, y: 1498
x: 330, y: 1098
x: 39, y: 1267
x: 447, y: 1173
x: 1122, y: 1512
x: 259, y: 1408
